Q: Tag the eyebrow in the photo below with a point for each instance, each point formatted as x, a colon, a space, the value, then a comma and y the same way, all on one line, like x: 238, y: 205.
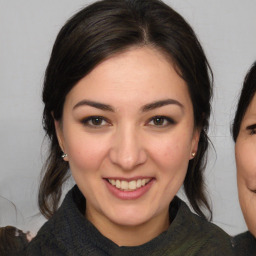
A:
x: 94, y: 104
x: 161, y: 103
x: 250, y: 127
x: 145, y: 108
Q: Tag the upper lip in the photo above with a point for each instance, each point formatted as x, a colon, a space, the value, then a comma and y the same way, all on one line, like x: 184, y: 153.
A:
x: 128, y: 179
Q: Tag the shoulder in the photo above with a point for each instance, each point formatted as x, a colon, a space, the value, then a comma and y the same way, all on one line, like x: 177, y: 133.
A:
x: 43, y: 240
x: 48, y: 239
x: 197, y: 224
x: 245, y: 244
x: 57, y: 236
x: 205, y: 237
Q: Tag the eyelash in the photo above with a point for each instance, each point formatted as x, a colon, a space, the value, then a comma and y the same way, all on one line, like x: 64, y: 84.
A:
x: 165, y: 121
x: 252, y: 132
x: 158, y: 121
x: 252, y: 129
x: 86, y: 121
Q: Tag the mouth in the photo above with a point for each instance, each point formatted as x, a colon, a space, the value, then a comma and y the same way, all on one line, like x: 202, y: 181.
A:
x: 131, y: 185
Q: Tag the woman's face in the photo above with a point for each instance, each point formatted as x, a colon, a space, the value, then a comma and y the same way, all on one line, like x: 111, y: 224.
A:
x: 246, y: 165
x: 128, y: 131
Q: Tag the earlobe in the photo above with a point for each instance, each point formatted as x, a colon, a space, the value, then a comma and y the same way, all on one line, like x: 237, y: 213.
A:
x: 193, y: 154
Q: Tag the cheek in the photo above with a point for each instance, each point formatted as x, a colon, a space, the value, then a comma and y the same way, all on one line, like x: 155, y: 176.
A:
x: 172, y: 152
x: 248, y: 205
x: 246, y: 164
x: 246, y: 179
x: 86, y: 153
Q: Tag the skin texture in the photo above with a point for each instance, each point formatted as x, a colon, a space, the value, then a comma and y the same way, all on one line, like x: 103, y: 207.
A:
x: 246, y: 165
x: 129, y: 141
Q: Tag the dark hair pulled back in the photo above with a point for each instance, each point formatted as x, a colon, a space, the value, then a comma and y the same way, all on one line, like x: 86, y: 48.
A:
x: 106, y: 28
x: 247, y: 93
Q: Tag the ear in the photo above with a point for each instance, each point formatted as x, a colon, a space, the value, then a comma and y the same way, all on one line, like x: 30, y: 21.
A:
x: 60, y: 137
x: 194, y: 143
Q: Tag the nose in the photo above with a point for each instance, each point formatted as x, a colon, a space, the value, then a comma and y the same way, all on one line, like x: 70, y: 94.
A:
x: 127, y: 149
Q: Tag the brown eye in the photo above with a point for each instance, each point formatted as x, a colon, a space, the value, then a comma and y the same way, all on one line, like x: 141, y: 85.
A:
x: 95, y: 121
x: 161, y: 121
x: 158, y: 121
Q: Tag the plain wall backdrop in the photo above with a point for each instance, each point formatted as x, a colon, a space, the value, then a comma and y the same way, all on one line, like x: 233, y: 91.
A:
x: 227, y: 31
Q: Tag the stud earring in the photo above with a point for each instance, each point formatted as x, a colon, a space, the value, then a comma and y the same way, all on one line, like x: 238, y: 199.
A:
x: 64, y: 155
x: 193, y: 154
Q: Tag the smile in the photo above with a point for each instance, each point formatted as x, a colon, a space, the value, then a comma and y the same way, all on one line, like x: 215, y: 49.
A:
x: 128, y: 185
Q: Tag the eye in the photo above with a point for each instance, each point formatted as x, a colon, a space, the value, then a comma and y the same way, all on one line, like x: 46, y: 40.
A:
x: 251, y: 129
x: 95, y: 121
x: 253, y: 132
x: 161, y: 121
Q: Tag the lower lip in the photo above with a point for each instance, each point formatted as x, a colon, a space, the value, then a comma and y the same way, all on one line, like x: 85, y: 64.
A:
x: 129, y: 195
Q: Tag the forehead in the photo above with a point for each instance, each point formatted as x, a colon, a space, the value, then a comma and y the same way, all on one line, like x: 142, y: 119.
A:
x: 143, y: 74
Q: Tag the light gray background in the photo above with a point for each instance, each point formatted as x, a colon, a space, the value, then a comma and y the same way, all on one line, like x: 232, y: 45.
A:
x: 28, y: 29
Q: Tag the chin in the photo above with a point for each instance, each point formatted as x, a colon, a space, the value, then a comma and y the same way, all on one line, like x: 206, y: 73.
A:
x: 130, y: 222
x: 250, y: 219
x: 130, y: 217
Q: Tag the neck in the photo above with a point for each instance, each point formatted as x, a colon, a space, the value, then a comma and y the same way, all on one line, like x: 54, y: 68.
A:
x: 129, y: 235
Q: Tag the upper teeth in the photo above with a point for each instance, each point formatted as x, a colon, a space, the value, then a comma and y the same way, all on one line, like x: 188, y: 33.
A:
x: 129, y: 185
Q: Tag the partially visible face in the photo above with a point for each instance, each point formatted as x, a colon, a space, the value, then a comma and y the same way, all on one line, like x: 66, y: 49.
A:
x: 128, y: 131
x: 246, y: 165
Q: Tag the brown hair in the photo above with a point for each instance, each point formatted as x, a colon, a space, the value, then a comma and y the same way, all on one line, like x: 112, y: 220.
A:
x: 105, y: 28
x: 12, y: 241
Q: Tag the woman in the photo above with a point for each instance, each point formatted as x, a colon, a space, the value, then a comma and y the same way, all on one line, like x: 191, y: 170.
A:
x: 127, y: 101
x: 244, y: 130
